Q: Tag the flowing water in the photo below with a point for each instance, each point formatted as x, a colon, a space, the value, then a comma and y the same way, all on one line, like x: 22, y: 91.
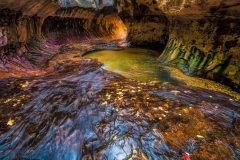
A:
x: 82, y: 111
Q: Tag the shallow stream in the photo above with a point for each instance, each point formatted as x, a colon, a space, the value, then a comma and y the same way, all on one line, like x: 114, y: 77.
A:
x: 82, y: 111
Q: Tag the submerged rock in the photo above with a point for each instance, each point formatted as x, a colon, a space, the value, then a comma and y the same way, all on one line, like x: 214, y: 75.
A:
x: 70, y: 114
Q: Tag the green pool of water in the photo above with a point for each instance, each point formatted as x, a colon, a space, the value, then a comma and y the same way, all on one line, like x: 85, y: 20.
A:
x: 134, y: 63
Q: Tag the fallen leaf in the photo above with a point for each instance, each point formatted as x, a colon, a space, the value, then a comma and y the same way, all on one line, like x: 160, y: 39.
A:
x: 8, y: 100
x: 185, y: 156
x: 104, y: 103
x: 25, y: 84
x: 185, y: 110
x: 108, y: 96
x: 10, y: 122
x: 119, y: 93
x: 200, y: 136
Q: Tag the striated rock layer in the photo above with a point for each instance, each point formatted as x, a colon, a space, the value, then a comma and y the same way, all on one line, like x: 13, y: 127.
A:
x: 67, y: 107
x: 205, y: 46
x: 203, y: 36
x: 28, y: 42
x: 81, y: 111
x: 199, y: 37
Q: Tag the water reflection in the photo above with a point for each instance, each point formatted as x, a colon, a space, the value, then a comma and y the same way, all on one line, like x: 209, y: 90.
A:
x: 85, y: 112
x: 135, y: 63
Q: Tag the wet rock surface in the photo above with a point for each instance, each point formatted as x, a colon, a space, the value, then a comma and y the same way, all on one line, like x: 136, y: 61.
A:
x: 81, y: 111
x: 205, y: 48
x: 202, y: 37
x: 78, y: 110
x: 27, y: 43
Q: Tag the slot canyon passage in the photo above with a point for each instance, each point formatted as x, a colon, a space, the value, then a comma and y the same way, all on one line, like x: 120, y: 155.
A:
x: 120, y: 79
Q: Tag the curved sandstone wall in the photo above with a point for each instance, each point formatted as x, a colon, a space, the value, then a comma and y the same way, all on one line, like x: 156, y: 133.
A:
x: 206, y: 45
x: 28, y: 41
x: 199, y: 37
x: 203, y: 36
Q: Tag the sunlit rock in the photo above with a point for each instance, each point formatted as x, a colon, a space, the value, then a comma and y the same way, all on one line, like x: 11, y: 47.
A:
x: 56, y: 104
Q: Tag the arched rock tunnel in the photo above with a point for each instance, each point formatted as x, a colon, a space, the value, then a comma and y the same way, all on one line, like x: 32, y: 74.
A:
x: 202, y: 38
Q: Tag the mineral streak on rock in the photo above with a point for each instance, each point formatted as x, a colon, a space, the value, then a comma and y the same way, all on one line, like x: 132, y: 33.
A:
x: 80, y: 111
x: 28, y: 41
x: 207, y: 48
x: 201, y: 37
x: 66, y: 107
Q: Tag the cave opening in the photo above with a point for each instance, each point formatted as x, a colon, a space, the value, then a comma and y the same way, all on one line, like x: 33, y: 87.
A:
x: 115, y: 32
x: 119, y: 79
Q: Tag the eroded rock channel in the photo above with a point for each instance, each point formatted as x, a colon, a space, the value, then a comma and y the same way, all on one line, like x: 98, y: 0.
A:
x: 86, y: 112
x: 57, y: 104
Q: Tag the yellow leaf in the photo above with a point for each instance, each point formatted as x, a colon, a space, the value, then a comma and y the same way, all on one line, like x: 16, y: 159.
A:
x: 25, y: 84
x: 199, y: 136
x: 104, y: 103
x: 108, y: 96
x: 8, y: 100
x: 10, y: 122
x: 185, y: 110
x: 119, y: 93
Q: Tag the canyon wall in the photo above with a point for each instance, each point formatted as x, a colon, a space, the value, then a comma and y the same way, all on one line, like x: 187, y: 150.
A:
x: 203, y: 36
x: 206, y: 47
x: 199, y: 37
x: 206, y: 43
x: 145, y: 27
x: 31, y: 37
